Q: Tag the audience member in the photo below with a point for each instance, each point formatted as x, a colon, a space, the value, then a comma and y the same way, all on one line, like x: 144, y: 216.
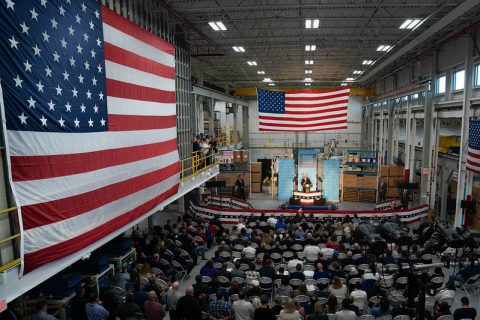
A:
x: 41, y: 312
x: 153, y: 309
x: 242, y: 310
x: 345, y: 313
x: 77, y: 304
x: 93, y: 309
x: 188, y: 306
x: 465, y: 311
x: 289, y: 312
x: 219, y: 308
x: 128, y: 308
x: 264, y: 312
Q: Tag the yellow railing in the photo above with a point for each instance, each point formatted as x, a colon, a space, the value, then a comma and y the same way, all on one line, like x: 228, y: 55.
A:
x: 195, y: 164
x: 14, y: 236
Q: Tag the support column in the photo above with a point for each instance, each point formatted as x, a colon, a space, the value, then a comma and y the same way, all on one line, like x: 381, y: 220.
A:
x: 390, y: 128
x: 412, y: 150
x: 434, y: 172
x: 380, y: 138
x: 246, y: 136
x: 375, y: 134
x: 371, y: 125
x: 408, y: 137
x: 445, y: 176
x: 211, y: 116
x: 296, y: 139
x: 235, y: 126
x: 181, y: 204
x: 306, y: 139
x: 464, y: 179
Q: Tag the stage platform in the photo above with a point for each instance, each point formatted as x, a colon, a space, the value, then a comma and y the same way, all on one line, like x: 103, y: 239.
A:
x: 307, y: 207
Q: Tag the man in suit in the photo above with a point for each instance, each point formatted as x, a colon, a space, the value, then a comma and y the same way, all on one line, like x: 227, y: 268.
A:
x: 306, y: 181
x: 240, y: 187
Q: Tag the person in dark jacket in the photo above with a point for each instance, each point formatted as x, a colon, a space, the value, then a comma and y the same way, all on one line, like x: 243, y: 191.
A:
x: 188, y: 306
x: 77, y: 304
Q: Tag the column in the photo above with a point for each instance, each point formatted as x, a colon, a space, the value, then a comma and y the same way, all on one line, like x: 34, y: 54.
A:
x: 432, y: 190
x: 445, y: 175
x: 375, y: 133
x: 412, y: 150
x: 211, y: 116
x: 181, y: 204
x: 380, y: 138
x: 235, y: 126
x: 246, y: 137
x: 464, y: 179
x: 390, y: 128
x: 408, y: 137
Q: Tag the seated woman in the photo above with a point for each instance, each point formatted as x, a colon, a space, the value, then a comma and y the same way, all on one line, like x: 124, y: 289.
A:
x: 337, y: 288
x: 208, y: 270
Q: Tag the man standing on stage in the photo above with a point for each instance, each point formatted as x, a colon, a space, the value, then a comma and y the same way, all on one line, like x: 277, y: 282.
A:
x: 382, y: 190
x: 240, y: 187
x: 306, y: 181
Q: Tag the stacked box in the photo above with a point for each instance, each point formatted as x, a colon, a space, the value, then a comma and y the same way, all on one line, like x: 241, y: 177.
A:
x: 394, y: 181
x: 369, y: 182
x: 393, y: 192
x: 256, y: 187
x: 385, y: 171
x: 350, y: 180
x: 350, y: 195
x: 396, y: 171
x: 256, y: 167
x: 368, y: 196
x: 245, y: 156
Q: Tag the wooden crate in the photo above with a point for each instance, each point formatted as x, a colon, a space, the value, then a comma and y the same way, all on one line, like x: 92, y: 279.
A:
x: 369, y: 182
x: 256, y: 167
x: 350, y: 195
x: 350, y: 180
x: 393, y: 192
x: 394, y: 181
x: 369, y: 196
x: 396, y: 171
x: 256, y: 187
x: 385, y: 171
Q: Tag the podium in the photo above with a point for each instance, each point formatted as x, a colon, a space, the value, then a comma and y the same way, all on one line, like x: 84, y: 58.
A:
x: 309, y: 198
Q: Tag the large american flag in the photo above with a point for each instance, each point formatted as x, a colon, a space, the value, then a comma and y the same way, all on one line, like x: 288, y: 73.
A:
x: 303, y: 110
x: 473, y: 157
x: 90, y: 116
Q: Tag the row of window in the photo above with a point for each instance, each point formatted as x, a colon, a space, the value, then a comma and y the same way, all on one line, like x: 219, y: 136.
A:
x: 458, y: 80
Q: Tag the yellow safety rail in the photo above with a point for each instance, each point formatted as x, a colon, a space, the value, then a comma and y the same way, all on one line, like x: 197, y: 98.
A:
x: 10, y: 238
x: 197, y: 163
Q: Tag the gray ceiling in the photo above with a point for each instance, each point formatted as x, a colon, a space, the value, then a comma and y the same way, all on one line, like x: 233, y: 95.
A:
x: 273, y: 34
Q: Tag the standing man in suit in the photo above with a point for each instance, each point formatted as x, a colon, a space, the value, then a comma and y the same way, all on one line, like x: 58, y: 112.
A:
x: 305, y: 181
x: 240, y: 187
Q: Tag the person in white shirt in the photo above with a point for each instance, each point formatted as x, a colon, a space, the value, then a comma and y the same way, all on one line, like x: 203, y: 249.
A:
x: 241, y: 225
x: 292, y: 264
x: 242, y: 310
x: 249, y: 249
x: 337, y: 288
x: 311, y: 251
x: 359, y: 296
x: 272, y: 221
x: 345, y: 313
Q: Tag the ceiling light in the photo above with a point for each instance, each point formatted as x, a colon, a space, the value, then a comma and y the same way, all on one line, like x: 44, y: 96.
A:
x: 357, y: 72
x: 312, y: 24
x: 308, y: 61
x: 308, y: 71
x: 238, y: 49
x: 308, y: 79
x: 384, y: 48
x: 308, y: 84
x: 252, y: 63
x: 367, y: 62
x: 261, y: 72
x: 344, y: 84
x: 217, y: 26
x: 349, y: 79
x: 267, y: 80
x: 310, y: 47
x: 271, y: 84
x: 410, y: 23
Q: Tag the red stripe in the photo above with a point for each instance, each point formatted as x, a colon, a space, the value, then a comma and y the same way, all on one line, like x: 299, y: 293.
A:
x: 318, y: 91
x: 125, y: 90
x: 37, y: 215
x: 301, y: 125
x: 309, y: 118
x: 132, y: 60
x: 126, y: 26
x: 473, y: 155
x: 316, y: 98
x: 36, y: 259
x: 310, y: 113
x: 472, y: 166
x: 305, y: 130
x: 122, y: 122
x: 316, y: 105
x: 26, y: 168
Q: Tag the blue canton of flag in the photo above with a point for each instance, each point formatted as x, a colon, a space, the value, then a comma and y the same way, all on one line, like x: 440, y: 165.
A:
x: 271, y: 101
x: 57, y: 82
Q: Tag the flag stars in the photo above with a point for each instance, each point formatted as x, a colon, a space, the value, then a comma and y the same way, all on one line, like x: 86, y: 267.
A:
x: 10, y: 4
x: 100, y: 95
x: 66, y: 76
x: 56, y: 56
x: 90, y: 122
x: 68, y: 106
x: 51, y: 105
x: 59, y: 90
x: 74, y: 92
x: 72, y: 61
x: 62, y: 11
x: 93, y: 53
x: 77, y: 123
x: 97, y: 14
x: 89, y: 94
x: 87, y: 65
x: 28, y: 66
x: 18, y: 81
x: 43, y: 120
x: 82, y: 108
x: 80, y: 78
x: 54, y: 23
x: 39, y: 86
x: 71, y: 31
x: 13, y: 42
x: 99, y: 42
x: 24, y: 28
x: 99, y: 68
x: 36, y: 50
x: 103, y: 122
x: 63, y: 43
x: 61, y: 122
x: 79, y: 49
x: 84, y: 7
x: 95, y: 109
x: 43, y: 3
x: 46, y: 36
x: 94, y: 81
x: 23, y: 118
x: 85, y: 37
x: 48, y: 72
x: 31, y: 102
x: 92, y: 26
x: 77, y: 18
x: 34, y: 14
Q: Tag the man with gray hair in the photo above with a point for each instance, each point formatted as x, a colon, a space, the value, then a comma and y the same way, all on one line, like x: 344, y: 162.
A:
x: 172, y: 300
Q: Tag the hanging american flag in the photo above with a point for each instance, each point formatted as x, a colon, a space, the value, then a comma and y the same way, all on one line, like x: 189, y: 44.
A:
x: 303, y: 110
x: 473, y: 157
x: 89, y: 104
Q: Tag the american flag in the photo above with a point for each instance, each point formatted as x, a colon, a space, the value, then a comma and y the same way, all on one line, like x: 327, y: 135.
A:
x: 303, y: 110
x: 473, y: 157
x: 90, y: 110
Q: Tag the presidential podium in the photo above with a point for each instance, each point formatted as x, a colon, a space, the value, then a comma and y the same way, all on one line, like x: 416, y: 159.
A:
x: 313, y: 198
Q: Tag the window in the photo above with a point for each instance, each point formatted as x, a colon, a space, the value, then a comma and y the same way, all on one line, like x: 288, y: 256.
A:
x: 458, y: 80
x: 414, y: 96
x: 440, y: 85
x: 405, y: 98
x: 476, y: 75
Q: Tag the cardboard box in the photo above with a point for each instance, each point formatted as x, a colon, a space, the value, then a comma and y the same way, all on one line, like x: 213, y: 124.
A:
x: 256, y: 187
x: 393, y: 193
x: 368, y: 196
x: 350, y: 195
x: 256, y: 177
x: 237, y: 155
x: 394, y: 181
x: 350, y: 180
x: 245, y: 156
x: 256, y: 167
x: 385, y: 171
x: 369, y: 182
x: 396, y: 171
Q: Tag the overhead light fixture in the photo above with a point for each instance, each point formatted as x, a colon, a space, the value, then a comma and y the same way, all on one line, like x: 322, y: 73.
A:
x: 312, y: 23
x: 308, y: 79
x: 384, y: 48
x: 410, y: 24
x: 349, y: 79
x: 357, y: 72
x: 267, y: 80
x: 308, y: 61
x: 261, y: 72
x: 217, y: 26
x: 308, y: 84
x: 238, y: 49
x: 310, y: 47
x: 344, y: 84
x: 252, y: 63
x: 308, y: 71
x: 367, y: 62
x: 271, y: 84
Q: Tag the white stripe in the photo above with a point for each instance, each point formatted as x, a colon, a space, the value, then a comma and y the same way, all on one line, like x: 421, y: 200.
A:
x: 129, y: 43
x: 316, y: 95
x: 44, y: 190
x: 294, y: 102
x: 306, y: 123
x: 26, y: 143
x: 321, y: 127
x: 122, y: 73
x: 54, y: 233
x: 300, y: 116
x: 141, y: 108
x: 313, y: 109
x: 474, y: 151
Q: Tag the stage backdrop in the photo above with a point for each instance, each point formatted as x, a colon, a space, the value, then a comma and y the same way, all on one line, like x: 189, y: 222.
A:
x: 307, y: 164
x: 331, y: 180
x: 286, y: 171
